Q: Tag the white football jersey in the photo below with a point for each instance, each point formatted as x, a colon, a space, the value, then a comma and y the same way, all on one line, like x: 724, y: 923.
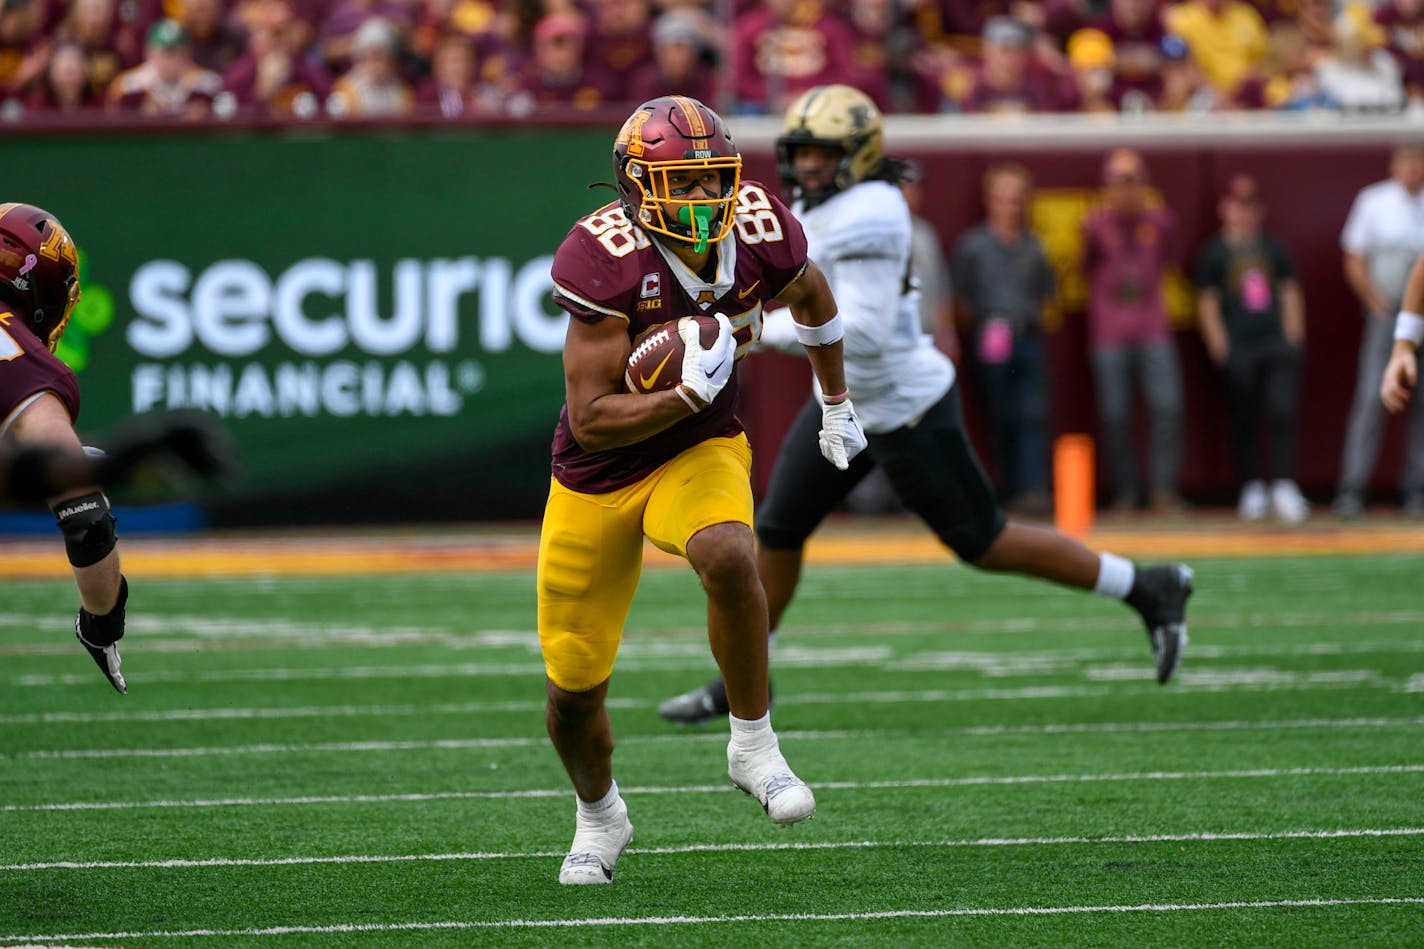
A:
x: 861, y: 239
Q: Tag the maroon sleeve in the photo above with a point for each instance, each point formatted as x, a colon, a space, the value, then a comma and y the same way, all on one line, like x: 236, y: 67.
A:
x: 592, y: 275
x: 782, y: 257
x: 27, y: 368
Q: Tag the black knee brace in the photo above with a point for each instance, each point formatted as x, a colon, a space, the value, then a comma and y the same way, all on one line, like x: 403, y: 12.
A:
x: 88, y: 528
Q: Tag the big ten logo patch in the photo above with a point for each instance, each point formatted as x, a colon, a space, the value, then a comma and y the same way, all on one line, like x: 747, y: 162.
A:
x: 650, y: 294
x: 1057, y: 219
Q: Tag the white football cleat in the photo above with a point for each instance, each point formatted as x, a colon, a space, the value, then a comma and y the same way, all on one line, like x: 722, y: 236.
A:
x: 763, y: 773
x: 597, y: 846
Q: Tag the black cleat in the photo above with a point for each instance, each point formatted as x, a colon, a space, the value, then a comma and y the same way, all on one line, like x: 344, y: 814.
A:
x: 1159, y: 594
x: 702, y: 704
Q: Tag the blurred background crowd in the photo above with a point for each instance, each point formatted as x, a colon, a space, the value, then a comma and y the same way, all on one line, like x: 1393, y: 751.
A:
x: 473, y: 59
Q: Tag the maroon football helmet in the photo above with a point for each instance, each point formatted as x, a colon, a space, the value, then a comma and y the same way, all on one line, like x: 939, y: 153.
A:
x: 675, y: 135
x: 39, y: 269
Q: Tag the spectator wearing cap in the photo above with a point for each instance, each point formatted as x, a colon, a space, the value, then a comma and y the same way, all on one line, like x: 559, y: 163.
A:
x: 346, y: 17
x: 1382, y: 237
x: 1133, y: 32
x: 1007, y: 80
x: 1184, y: 85
x: 1002, y: 284
x: 1128, y: 244
x: 372, y: 87
x: 781, y: 48
x: 557, y: 76
x: 272, y: 77
x: 1251, y: 314
x: 1227, y: 39
x: 681, y: 60
x: 167, y: 83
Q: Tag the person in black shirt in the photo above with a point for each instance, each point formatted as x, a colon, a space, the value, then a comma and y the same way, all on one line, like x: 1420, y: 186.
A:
x: 1252, y: 318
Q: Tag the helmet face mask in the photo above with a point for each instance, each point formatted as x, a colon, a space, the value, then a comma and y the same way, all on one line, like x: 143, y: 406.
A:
x: 836, y: 117
x: 666, y: 149
x: 39, y: 270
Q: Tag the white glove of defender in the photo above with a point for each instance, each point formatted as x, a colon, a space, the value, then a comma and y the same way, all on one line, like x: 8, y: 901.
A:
x: 841, y: 438
x: 705, y: 371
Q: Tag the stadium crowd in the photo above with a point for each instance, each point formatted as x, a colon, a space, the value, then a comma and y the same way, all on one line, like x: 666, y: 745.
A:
x: 472, y: 59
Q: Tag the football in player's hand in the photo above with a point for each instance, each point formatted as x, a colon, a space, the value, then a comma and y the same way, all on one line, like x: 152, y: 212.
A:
x: 656, y: 361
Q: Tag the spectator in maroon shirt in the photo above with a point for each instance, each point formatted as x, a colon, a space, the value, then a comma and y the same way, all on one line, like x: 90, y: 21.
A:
x: 1008, y: 80
x: 681, y: 61
x: 24, y: 47
x: 272, y: 77
x: 1134, y: 30
x: 784, y: 47
x: 557, y: 76
x: 620, y: 38
x: 338, y: 31
x: 216, y: 43
x: 110, y: 45
x: 453, y: 89
x: 64, y: 88
x: 1128, y: 244
x: 1403, y: 25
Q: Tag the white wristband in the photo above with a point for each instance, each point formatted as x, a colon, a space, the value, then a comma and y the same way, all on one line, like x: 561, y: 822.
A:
x: 1409, y: 326
x: 824, y: 335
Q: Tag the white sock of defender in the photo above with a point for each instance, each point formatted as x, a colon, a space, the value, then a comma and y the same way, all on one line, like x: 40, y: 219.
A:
x: 1115, y: 576
x: 747, y: 732
x: 599, y: 809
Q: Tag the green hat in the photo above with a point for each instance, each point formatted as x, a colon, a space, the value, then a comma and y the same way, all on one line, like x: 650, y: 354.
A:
x: 167, y: 34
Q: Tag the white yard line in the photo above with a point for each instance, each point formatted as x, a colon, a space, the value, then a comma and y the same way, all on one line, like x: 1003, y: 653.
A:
x: 622, y: 921
x: 1335, y: 834
x: 970, y: 781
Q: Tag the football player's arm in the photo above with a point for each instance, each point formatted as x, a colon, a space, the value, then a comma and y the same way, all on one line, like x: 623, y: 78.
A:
x: 87, y: 524
x: 813, y: 308
x: 1402, y: 370
x: 603, y: 414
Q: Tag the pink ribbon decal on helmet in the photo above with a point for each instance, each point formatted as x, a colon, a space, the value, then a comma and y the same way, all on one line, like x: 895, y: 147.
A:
x: 30, y: 261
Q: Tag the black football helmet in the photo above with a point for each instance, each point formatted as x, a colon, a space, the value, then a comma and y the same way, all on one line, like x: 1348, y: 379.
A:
x: 676, y: 134
x: 39, y: 270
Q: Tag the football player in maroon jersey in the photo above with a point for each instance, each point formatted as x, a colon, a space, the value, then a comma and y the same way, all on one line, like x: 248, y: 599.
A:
x: 686, y: 236
x: 39, y: 401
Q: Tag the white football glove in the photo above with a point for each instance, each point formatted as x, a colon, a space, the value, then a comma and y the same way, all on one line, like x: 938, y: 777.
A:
x: 841, y: 438
x: 705, y: 371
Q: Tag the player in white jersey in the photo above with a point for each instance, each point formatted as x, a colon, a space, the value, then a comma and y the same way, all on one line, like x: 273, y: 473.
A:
x: 857, y: 225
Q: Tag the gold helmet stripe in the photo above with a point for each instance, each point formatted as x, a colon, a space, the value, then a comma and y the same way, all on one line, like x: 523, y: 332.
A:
x: 695, y: 124
x: 7, y: 207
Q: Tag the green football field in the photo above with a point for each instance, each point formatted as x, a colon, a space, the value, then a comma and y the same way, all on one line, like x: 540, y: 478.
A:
x: 361, y: 761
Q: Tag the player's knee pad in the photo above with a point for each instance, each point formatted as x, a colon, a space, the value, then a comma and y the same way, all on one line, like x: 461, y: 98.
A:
x: 87, y: 524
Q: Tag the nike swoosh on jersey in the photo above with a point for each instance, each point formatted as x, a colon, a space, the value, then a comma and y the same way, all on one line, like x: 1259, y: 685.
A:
x: 647, y: 381
x: 742, y: 294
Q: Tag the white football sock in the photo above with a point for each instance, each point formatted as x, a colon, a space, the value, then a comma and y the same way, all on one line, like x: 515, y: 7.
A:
x: 1115, y: 576
x: 598, y: 809
x: 750, y: 731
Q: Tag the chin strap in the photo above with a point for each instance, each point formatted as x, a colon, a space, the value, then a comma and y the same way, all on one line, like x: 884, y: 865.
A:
x: 699, y: 218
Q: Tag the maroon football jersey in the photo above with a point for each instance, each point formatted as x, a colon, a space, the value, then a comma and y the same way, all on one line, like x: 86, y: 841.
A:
x: 27, y: 368
x: 609, y: 268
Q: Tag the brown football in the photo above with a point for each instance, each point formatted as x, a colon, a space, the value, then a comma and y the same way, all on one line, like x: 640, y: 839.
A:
x: 656, y: 361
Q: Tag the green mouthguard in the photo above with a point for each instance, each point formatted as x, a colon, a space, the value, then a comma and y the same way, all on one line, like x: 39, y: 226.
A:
x: 699, y: 218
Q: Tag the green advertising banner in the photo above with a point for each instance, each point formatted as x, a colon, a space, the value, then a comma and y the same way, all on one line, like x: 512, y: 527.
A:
x: 369, y: 312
